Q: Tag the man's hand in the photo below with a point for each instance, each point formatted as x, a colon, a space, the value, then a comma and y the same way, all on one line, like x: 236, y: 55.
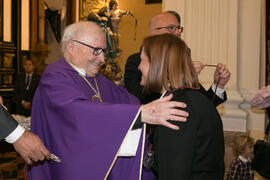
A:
x: 198, y: 66
x: 160, y: 111
x: 223, y: 74
x: 26, y: 105
x: 30, y: 147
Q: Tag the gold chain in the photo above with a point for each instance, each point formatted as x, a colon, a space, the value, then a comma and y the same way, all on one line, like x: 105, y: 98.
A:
x: 97, y: 93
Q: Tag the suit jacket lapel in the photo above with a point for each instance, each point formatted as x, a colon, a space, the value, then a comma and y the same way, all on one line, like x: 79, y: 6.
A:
x: 24, y: 80
x: 33, y: 80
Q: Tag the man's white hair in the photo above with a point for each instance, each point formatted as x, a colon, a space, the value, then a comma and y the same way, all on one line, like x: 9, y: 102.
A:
x: 69, y: 33
x: 72, y: 31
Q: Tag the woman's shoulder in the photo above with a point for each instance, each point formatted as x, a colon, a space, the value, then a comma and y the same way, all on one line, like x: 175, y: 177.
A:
x: 186, y: 92
x: 185, y: 95
x: 192, y: 96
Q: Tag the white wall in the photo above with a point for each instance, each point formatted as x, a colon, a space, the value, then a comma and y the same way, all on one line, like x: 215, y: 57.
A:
x: 227, y: 31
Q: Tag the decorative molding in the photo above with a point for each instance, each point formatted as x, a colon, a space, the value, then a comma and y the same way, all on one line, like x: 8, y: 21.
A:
x: 7, y: 46
x: 8, y: 60
x: 7, y: 70
x: 7, y: 52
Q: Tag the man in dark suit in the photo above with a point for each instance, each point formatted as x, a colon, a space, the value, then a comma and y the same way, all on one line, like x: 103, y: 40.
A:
x: 169, y: 22
x: 25, y: 87
x: 27, y: 144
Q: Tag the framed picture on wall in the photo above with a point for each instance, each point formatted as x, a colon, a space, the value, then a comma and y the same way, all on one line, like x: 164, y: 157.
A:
x: 152, y: 1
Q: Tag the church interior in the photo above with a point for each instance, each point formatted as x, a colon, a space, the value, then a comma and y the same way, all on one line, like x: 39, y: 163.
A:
x: 233, y: 32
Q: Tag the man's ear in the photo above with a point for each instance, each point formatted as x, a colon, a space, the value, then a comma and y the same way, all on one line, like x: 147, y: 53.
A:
x: 70, y: 47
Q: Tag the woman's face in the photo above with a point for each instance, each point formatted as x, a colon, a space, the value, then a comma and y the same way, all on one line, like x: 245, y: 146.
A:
x: 144, y: 67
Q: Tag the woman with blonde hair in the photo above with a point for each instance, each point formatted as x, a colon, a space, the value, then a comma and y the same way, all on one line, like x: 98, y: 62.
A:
x: 196, y: 150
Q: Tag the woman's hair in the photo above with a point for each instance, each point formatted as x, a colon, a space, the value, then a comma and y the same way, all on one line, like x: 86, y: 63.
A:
x: 241, y: 143
x: 170, y: 64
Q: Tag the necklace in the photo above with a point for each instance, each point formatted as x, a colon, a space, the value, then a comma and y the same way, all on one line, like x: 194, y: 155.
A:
x: 97, y: 95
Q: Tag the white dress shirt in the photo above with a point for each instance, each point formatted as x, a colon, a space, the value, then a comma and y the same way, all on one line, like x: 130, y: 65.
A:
x: 15, y: 135
x: 219, y: 92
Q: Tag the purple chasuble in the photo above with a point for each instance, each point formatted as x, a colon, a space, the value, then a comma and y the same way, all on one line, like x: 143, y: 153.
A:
x: 85, y: 135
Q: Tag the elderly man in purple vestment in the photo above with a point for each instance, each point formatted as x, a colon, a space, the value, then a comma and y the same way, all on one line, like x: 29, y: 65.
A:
x: 94, y: 126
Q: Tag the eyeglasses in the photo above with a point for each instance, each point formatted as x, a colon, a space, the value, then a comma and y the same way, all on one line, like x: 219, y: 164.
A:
x: 172, y: 28
x: 96, y: 50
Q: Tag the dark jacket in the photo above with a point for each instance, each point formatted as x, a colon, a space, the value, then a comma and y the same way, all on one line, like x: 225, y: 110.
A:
x: 23, y: 94
x: 196, y: 150
x: 7, y: 123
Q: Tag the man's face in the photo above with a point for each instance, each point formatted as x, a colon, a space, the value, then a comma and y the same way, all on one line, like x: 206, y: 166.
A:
x: 165, y: 23
x: 29, y: 67
x: 83, y: 56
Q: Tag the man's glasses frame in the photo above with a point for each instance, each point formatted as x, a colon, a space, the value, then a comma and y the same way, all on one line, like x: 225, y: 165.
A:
x: 96, y: 50
x: 171, y: 28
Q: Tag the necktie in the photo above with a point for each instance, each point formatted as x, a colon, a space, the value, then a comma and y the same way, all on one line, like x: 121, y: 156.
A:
x: 27, y: 82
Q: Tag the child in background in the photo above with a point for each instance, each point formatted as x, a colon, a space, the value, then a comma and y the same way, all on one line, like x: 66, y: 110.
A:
x: 240, y: 168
